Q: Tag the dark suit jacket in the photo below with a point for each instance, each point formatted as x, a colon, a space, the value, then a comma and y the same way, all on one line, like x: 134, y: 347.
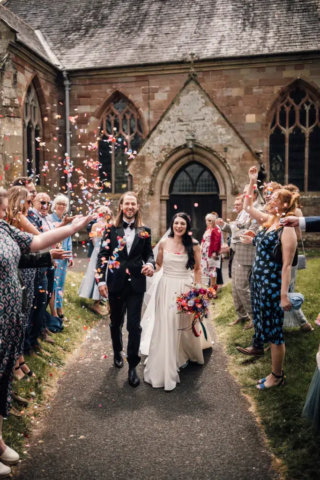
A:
x: 312, y: 224
x: 140, y: 253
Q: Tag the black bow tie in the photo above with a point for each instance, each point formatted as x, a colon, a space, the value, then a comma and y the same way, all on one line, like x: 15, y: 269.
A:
x: 130, y: 225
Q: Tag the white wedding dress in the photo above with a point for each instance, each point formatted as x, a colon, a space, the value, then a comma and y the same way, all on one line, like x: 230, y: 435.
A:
x: 172, y: 342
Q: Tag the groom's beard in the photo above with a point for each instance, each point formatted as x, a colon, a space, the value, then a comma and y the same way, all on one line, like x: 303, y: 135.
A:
x: 129, y: 217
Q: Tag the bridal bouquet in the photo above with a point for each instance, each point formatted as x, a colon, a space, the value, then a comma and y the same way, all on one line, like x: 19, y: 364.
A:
x: 196, y: 302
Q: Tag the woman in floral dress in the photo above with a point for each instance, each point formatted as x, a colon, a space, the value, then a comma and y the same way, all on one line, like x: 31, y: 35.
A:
x: 13, y: 242
x: 210, y: 248
x: 270, y: 278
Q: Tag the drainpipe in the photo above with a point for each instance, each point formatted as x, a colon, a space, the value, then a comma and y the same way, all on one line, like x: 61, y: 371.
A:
x: 67, y: 87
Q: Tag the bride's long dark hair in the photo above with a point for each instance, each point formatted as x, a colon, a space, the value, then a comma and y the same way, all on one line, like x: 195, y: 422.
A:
x: 186, y: 238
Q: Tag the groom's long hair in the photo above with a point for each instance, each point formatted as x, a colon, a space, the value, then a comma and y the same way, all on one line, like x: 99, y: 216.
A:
x: 119, y: 218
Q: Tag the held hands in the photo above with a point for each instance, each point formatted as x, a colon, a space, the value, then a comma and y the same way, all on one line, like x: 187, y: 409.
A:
x: 290, y: 221
x: 253, y: 174
x: 103, y: 290
x: 147, y: 270
x: 286, y: 305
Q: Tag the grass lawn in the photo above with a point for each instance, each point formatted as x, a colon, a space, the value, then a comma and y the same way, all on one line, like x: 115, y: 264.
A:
x: 291, y: 438
x: 49, y: 368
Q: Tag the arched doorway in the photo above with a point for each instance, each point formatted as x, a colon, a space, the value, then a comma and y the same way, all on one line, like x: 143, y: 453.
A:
x: 194, y: 190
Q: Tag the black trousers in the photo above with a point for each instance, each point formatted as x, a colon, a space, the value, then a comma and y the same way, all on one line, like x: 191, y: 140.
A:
x: 131, y: 303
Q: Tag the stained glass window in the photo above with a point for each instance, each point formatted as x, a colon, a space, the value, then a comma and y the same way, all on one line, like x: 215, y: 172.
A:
x: 295, y: 141
x: 32, y: 133
x: 121, y: 136
x: 194, y: 178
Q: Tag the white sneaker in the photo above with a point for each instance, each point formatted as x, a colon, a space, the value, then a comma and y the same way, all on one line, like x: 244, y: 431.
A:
x: 4, y: 471
x: 9, y: 457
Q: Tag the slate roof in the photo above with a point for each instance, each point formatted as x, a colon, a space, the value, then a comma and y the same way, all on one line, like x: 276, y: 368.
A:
x: 109, y: 33
x: 24, y: 33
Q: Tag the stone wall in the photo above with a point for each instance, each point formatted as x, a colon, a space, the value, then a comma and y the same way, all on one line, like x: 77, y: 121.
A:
x: 228, y: 112
x: 243, y: 92
x: 18, y: 70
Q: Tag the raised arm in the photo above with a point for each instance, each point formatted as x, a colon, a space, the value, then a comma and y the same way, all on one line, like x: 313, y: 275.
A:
x: 289, y: 246
x: 45, y: 240
x: 24, y: 225
x: 254, y: 213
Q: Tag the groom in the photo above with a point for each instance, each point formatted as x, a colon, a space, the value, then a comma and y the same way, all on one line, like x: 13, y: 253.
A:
x: 126, y: 280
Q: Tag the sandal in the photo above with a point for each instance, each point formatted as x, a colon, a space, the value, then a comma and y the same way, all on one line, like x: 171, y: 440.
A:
x: 16, y: 376
x: 262, y: 386
x: 260, y: 382
x: 15, y: 412
x: 30, y: 372
x: 20, y: 400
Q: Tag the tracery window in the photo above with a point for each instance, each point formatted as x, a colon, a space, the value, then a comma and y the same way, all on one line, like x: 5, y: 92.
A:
x: 194, y: 178
x: 295, y: 141
x: 121, y: 136
x: 32, y: 133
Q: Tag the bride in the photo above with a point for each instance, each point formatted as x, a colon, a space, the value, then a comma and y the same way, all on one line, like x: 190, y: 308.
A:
x: 173, y: 343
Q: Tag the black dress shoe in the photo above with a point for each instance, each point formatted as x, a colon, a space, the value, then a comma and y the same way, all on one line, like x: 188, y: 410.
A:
x: 134, y: 380
x: 118, y: 360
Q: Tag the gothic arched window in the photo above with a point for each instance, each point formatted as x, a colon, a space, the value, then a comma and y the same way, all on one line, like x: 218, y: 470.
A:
x: 32, y: 133
x: 121, y: 136
x: 194, y: 178
x: 295, y: 141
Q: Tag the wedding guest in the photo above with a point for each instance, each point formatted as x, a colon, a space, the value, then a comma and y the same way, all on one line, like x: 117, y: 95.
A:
x: 89, y: 228
x: 268, y: 190
x: 19, y: 202
x: 296, y: 318
x: 37, y: 322
x: 60, y: 207
x: 13, y: 242
x: 243, y: 258
x: 306, y: 224
x: 270, y: 279
x: 89, y: 287
x: 210, y: 248
x: 28, y: 183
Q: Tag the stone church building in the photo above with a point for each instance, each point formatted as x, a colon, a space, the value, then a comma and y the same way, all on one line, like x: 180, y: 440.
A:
x: 175, y: 99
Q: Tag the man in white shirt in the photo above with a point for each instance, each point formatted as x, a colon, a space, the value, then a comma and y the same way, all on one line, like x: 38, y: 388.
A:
x: 127, y: 253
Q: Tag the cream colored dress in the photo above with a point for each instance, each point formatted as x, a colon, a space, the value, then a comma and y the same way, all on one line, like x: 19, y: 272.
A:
x: 172, y: 342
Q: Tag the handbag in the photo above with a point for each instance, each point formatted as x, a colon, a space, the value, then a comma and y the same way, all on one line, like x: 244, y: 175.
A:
x: 277, y: 251
x: 302, y: 259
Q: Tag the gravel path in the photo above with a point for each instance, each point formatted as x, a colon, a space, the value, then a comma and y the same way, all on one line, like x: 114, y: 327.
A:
x: 100, y: 428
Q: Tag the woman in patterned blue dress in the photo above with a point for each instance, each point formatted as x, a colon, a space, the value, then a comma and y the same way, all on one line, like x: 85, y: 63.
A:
x: 270, y: 280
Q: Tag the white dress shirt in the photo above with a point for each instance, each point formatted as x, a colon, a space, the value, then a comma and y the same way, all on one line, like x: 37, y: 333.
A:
x: 129, y: 234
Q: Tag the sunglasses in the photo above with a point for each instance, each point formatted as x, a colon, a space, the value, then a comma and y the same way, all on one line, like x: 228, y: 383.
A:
x: 45, y: 203
x: 33, y: 191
